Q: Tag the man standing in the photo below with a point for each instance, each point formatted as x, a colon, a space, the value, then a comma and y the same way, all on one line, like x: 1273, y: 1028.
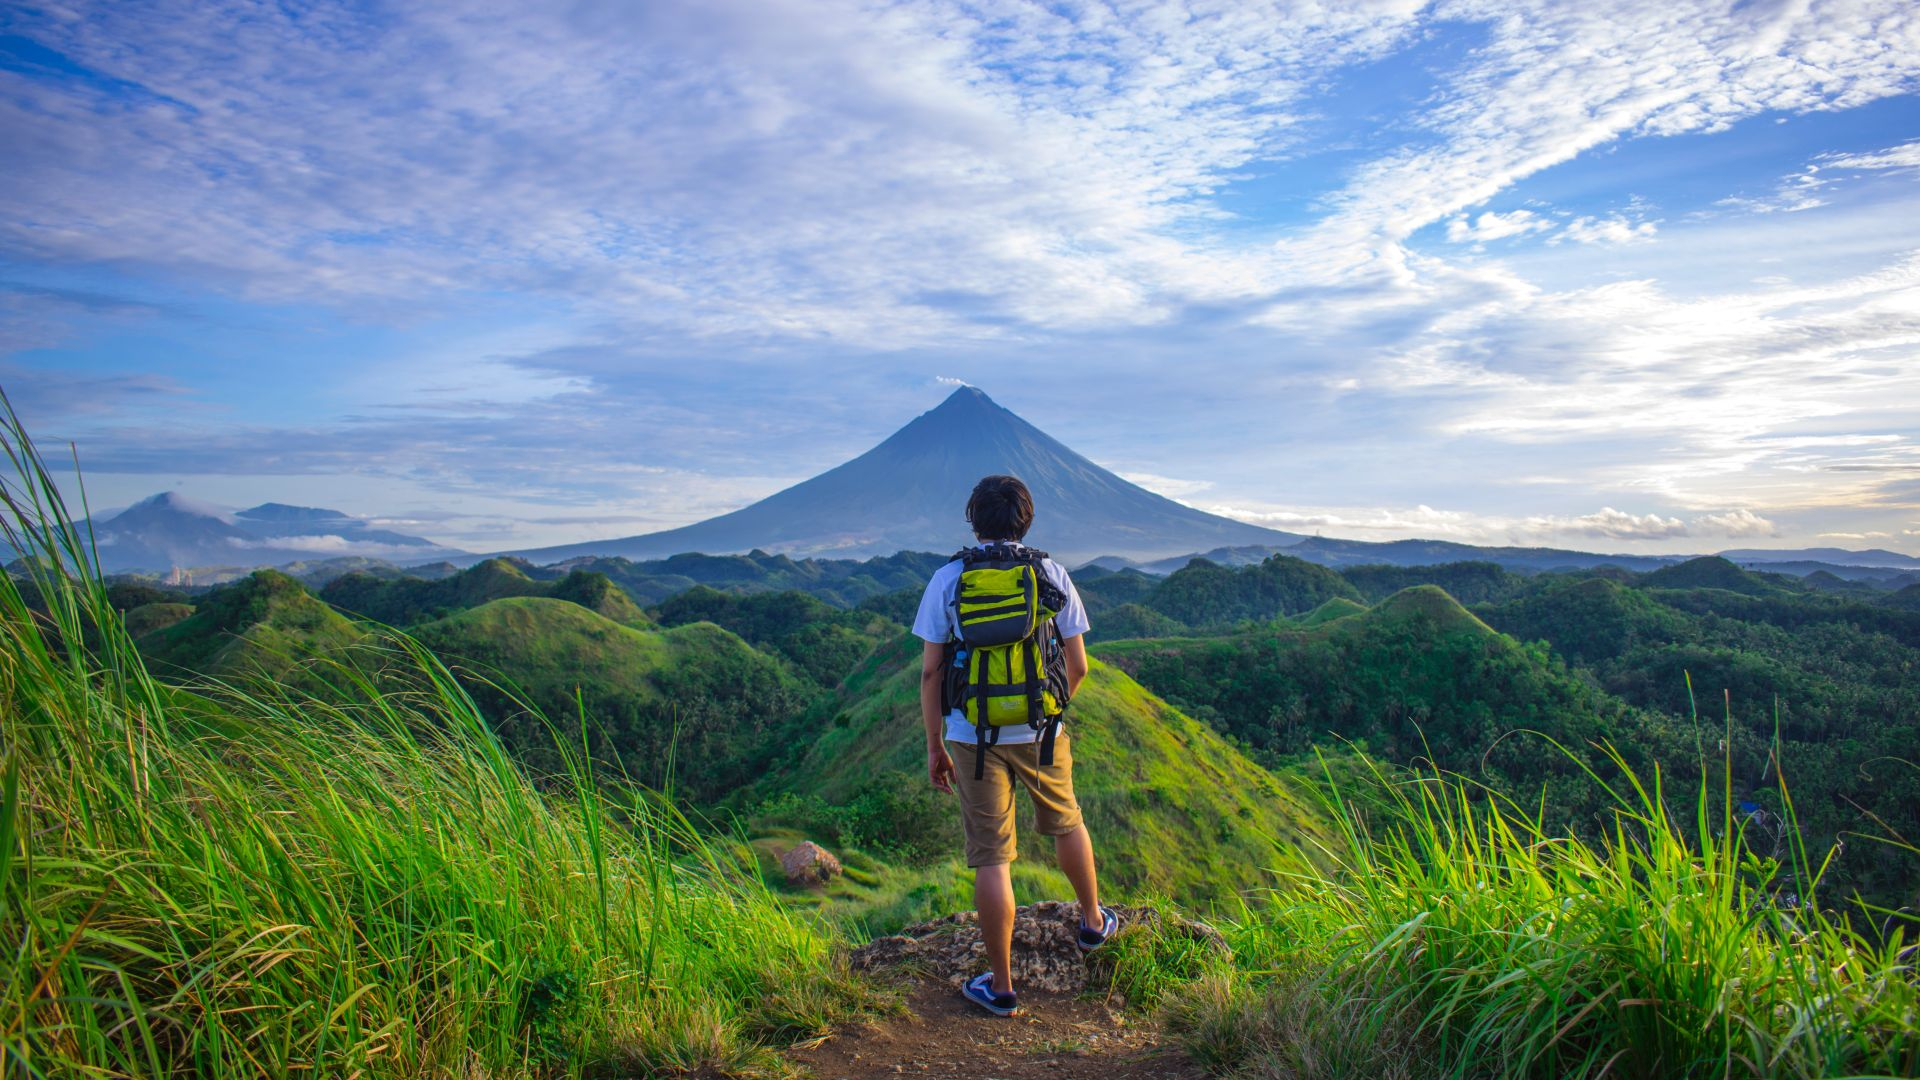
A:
x: 962, y: 721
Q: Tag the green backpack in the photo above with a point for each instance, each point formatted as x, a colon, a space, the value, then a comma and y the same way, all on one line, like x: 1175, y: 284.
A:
x: 1008, y: 665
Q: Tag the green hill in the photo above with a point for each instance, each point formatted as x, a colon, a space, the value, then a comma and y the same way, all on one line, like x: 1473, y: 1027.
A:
x: 1416, y: 676
x: 1337, y: 608
x: 694, y: 695
x: 1467, y: 582
x: 147, y: 618
x: 1831, y: 677
x: 264, y: 624
x: 1132, y: 621
x: 1102, y: 590
x: 822, y: 641
x: 1708, y: 572
x: 1204, y: 594
x: 840, y: 582
x: 406, y: 601
x: 597, y: 593
x: 1174, y: 808
x: 1588, y: 620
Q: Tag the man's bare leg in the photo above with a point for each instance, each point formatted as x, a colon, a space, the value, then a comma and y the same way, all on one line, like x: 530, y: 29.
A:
x: 1074, y: 851
x: 993, y: 899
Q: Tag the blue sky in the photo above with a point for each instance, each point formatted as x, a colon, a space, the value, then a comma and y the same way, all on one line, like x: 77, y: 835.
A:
x: 1630, y: 276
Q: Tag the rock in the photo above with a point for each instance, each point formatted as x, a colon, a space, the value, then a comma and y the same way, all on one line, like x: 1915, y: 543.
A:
x: 807, y: 863
x: 1046, y: 946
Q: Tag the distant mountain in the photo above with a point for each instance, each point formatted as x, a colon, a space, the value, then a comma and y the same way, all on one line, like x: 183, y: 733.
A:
x: 169, y: 530
x: 909, y: 493
x: 1837, y: 556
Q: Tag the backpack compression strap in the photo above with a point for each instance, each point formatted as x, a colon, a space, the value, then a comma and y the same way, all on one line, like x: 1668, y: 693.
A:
x: 984, y: 733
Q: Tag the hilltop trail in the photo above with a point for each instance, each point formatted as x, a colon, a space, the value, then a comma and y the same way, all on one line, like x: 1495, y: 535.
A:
x: 1057, y: 1037
x: 1064, y: 1029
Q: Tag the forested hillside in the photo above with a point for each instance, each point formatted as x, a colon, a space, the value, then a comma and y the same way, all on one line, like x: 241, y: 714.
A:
x: 1629, y: 660
x: 693, y: 707
x: 404, y: 601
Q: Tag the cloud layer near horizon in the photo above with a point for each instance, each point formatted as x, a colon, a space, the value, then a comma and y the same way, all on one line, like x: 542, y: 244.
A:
x: 722, y: 246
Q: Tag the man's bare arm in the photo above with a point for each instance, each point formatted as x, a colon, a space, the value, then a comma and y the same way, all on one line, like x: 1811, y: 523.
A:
x: 932, y: 673
x: 1075, y: 649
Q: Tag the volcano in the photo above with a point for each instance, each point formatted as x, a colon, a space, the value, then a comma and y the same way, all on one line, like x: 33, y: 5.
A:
x: 909, y: 494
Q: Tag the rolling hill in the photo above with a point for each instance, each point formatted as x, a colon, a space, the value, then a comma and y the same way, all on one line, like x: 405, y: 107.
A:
x: 265, y: 624
x: 1415, y: 677
x: 909, y: 492
x: 404, y: 601
x: 693, y: 706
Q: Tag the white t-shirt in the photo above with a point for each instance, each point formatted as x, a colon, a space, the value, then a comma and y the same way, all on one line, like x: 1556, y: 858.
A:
x: 935, y: 624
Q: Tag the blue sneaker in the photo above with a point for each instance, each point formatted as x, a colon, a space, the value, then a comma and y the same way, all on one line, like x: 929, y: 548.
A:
x: 979, y: 990
x: 1091, y: 939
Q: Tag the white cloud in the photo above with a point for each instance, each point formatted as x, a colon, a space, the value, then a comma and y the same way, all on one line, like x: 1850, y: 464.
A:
x: 1495, y: 226
x: 1426, y: 522
x: 1794, y: 193
x: 1904, y: 156
x: 1555, y: 80
x: 870, y: 176
x: 328, y: 546
x: 1171, y: 487
x: 1420, y: 521
x: 1876, y: 535
x: 1611, y: 230
x: 1735, y: 523
x: 1610, y: 524
x: 948, y: 380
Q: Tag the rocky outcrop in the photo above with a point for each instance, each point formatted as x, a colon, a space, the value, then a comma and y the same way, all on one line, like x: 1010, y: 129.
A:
x: 1046, y: 948
x: 809, y: 864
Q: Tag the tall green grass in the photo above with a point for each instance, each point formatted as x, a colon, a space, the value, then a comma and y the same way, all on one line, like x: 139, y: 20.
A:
x: 1458, y: 937
x: 251, y: 880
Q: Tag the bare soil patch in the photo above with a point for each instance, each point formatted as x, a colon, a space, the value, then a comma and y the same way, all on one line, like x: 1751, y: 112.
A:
x: 944, y: 1037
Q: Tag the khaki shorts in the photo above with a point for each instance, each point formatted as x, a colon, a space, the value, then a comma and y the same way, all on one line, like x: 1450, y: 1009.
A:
x: 987, y: 803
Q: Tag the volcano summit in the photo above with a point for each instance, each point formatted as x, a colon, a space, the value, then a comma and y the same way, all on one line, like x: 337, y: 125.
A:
x: 908, y: 493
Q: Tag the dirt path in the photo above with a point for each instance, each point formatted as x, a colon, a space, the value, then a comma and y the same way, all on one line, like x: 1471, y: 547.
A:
x: 1054, y: 1038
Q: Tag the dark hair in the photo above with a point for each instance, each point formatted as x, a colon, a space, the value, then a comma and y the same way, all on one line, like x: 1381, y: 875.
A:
x: 1001, y: 508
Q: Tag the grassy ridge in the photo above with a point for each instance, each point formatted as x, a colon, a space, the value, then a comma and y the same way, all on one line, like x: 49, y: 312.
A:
x: 1465, y: 938
x: 259, y: 882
